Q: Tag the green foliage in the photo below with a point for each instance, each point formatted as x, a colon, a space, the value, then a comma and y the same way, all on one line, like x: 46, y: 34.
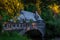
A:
x: 30, y: 7
x: 4, y: 15
x: 47, y: 14
x: 52, y: 23
x: 12, y: 36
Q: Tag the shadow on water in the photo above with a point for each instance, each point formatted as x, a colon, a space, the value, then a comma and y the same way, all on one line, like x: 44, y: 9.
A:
x: 34, y: 34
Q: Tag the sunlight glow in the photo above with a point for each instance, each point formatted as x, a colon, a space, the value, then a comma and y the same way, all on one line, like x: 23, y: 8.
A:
x: 55, y: 8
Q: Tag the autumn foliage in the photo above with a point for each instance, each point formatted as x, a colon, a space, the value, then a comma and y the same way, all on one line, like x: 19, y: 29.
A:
x: 11, y: 6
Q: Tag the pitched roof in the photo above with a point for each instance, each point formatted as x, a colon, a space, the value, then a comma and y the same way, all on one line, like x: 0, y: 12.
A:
x: 27, y: 16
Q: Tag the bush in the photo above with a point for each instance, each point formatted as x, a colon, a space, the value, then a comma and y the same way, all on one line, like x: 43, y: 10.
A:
x: 52, y: 23
x: 12, y: 36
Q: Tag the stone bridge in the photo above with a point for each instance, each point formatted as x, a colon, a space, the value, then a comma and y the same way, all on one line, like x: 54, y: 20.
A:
x: 24, y: 27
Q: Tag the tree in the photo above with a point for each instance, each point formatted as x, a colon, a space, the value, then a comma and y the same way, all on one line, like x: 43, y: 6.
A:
x: 9, y: 9
x: 11, y: 6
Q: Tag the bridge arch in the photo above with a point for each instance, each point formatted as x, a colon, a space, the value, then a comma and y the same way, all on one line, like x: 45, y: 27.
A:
x: 34, y: 34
